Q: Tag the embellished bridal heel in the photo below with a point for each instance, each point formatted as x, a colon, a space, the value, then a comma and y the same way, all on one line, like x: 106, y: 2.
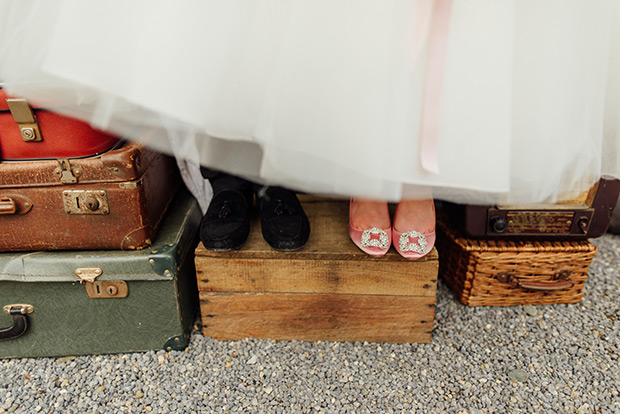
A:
x: 413, y: 244
x: 373, y: 241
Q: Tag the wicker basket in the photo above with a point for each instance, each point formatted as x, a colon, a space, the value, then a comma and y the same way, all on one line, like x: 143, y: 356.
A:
x: 501, y: 272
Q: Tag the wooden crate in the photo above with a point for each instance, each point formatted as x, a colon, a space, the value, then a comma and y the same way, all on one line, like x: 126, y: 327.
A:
x: 329, y: 290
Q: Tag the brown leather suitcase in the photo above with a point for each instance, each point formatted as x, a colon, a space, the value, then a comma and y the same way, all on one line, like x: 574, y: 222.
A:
x: 114, y: 200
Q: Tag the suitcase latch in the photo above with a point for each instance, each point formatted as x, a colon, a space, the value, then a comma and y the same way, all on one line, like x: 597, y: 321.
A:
x: 86, y: 202
x: 26, y: 120
x: 67, y: 176
x: 88, y: 274
x: 108, y: 289
x: 104, y: 289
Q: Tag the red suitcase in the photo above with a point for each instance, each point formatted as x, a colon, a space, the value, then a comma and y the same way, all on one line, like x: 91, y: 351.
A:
x: 114, y: 200
x: 28, y: 133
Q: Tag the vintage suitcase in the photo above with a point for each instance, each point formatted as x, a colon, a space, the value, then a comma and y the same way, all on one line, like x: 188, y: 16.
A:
x: 110, y: 201
x: 103, y: 301
x: 28, y: 133
x: 513, y: 272
x: 329, y: 290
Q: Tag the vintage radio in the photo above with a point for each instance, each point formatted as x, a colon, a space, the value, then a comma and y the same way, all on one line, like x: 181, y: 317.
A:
x: 586, y: 216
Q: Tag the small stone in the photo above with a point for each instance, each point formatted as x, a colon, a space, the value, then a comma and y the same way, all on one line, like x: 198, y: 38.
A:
x: 101, y: 388
x: 252, y: 360
x: 268, y: 390
x: 530, y: 310
x: 139, y: 394
x: 160, y: 359
x: 518, y: 375
x: 584, y: 408
x: 64, y: 359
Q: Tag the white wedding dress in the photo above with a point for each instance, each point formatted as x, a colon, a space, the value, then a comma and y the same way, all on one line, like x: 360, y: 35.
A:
x: 336, y: 96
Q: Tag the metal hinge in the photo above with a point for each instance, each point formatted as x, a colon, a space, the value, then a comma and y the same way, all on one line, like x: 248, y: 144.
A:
x: 26, y: 120
x: 66, y: 173
x: 88, y: 274
x: 131, y: 185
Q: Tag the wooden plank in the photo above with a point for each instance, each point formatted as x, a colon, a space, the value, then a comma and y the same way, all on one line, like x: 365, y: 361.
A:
x: 313, y: 317
x: 317, y: 276
x: 329, y: 238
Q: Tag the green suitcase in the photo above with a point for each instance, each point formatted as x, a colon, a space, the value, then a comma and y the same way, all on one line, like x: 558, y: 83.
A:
x: 107, y: 301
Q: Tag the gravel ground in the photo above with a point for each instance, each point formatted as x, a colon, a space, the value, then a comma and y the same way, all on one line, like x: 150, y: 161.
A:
x: 519, y: 359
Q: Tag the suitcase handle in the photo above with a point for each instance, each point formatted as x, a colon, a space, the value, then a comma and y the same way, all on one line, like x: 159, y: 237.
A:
x: 7, y: 206
x: 561, y: 281
x: 14, y: 204
x: 20, y: 321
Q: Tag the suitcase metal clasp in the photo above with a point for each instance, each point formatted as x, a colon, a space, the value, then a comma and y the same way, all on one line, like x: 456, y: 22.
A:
x: 107, y: 289
x: 66, y: 174
x: 26, y: 120
x: 88, y: 274
x: 101, y: 289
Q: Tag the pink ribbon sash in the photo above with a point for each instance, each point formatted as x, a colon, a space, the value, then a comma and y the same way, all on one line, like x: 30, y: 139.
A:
x: 435, y: 70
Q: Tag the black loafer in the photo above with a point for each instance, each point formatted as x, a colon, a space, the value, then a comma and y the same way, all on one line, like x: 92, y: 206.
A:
x: 226, y: 224
x: 284, y: 223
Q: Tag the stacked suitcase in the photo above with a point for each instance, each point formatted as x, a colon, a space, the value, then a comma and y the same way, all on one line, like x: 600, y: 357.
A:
x: 95, y: 249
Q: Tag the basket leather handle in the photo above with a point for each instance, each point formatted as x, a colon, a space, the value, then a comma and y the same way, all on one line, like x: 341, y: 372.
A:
x: 561, y: 281
x: 20, y: 321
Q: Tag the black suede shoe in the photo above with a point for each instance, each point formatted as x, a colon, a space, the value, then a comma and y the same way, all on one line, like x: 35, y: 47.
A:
x: 283, y: 221
x: 226, y: 224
